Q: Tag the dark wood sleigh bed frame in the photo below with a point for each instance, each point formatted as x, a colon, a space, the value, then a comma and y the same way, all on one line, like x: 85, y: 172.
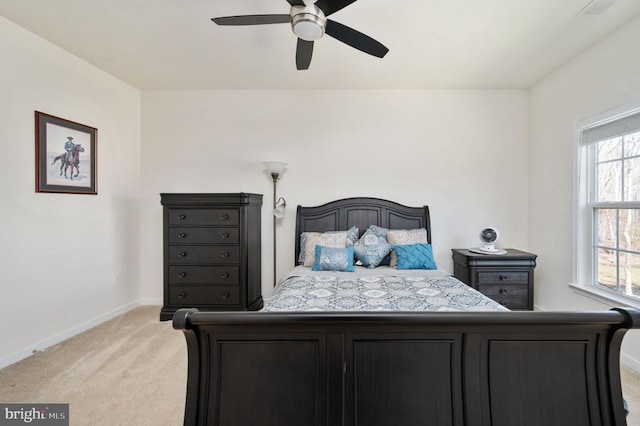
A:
x: 401, y: 368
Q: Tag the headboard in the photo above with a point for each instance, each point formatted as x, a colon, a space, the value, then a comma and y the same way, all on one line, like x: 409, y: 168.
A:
x: 362, y: 212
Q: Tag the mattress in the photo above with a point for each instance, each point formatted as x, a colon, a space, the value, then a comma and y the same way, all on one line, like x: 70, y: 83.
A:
x: 379, y: 289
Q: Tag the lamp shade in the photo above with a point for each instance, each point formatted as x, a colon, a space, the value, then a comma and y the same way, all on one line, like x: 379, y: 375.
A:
x: 274, y: 167
x: 278, y: 210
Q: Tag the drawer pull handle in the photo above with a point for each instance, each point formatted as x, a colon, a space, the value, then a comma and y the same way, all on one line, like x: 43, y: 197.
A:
x: 224, y: 217
x: 182, y: 254
x: 182, y: 295
x: 225, y: 275
x: 225, y: 235
x: 225, y: 295
x: 503, y: 277
x: 182, y: 235
x: 182, y: 274
x: 503, y: 291
x: 182, y: 217
x: 225, y: 255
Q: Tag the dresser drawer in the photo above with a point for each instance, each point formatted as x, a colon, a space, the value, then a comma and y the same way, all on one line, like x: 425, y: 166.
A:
x: 181, y: 235
x: 502, y: 277
x: 213, y: 255
x: 197, y: 296
x: 513, y: 296
x: 213, y: 217
x: 214, y: 275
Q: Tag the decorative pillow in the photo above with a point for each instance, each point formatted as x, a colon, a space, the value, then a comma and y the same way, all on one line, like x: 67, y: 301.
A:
x: 398, y: 237
x: 415, y: 256
x: 371, y: 249
x: 351, y: 236
x: 381, y: 232
x: 333, y: 259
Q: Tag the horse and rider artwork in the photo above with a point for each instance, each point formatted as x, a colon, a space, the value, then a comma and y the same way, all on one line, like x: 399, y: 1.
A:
x: 66, y: 156
x: 70, y: 158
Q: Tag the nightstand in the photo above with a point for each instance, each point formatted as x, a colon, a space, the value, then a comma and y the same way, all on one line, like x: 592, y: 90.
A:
x: 507, y: 279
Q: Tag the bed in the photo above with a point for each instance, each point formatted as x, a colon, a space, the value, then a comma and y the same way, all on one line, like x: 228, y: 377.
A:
x: 377, y: 287
x: 376, y: 290
x: 475, y: 363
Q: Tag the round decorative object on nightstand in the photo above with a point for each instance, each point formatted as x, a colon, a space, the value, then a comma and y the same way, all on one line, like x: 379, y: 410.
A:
x: 489, y: 236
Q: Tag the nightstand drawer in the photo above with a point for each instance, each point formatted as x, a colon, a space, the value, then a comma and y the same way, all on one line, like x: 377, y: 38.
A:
x: 512, y: 296
x: 190, y: 255
x: 195, y: 296
x: 502, y: 277
x: 221, y: 217
x: 213, y: 275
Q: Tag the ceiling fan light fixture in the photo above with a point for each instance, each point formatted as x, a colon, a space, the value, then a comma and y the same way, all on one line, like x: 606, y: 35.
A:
x: 308, y: 23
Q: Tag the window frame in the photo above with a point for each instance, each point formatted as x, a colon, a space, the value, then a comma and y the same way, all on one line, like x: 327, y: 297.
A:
x: 585, y: 210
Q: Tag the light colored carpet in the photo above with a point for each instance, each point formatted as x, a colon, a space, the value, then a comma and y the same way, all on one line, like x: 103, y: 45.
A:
x: 132, y: 371
x: 631, y: 392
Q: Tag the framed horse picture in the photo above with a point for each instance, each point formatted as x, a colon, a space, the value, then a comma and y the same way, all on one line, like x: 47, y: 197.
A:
x: 66, y: 156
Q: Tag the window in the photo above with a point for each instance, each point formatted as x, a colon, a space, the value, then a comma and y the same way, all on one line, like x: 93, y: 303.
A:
x: 608, y: 240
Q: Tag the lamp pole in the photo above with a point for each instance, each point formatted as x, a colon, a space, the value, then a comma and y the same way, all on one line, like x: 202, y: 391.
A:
x: 275, y: 177
x: 274, y: 168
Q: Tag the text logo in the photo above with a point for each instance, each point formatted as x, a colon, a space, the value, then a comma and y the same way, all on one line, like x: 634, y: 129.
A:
x: 34, y: 414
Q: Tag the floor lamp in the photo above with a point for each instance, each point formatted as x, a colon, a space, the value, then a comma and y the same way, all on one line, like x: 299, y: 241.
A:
x: 275, y: 169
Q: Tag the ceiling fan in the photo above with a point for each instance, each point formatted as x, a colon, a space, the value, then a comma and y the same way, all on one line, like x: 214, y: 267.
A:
x: 309, y: 23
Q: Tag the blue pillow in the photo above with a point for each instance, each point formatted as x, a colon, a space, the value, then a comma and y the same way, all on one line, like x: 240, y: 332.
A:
x: 415, y: 256
x: 333, y: 259
x: 381, y: 232
x: 371, y: 249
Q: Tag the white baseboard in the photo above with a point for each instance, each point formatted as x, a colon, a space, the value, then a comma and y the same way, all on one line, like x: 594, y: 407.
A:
x: 54, y: 340
x: 632, y: 363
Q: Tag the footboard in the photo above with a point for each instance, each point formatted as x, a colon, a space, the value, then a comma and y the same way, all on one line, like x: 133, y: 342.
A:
x: 367, y: 369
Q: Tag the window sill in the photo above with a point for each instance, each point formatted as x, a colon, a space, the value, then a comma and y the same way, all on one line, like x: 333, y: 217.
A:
x: 610, y: 298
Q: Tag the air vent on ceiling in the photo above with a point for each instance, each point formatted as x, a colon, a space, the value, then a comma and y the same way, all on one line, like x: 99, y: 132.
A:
x: 595, y: 7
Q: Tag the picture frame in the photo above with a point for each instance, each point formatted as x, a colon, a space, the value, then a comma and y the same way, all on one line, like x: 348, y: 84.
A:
x: 66, y: 156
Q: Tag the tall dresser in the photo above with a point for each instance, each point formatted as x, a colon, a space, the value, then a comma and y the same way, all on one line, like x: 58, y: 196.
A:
x: 211, y: 252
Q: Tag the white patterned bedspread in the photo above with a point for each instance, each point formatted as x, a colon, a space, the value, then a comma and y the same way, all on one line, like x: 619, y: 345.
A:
x: 379, y: 289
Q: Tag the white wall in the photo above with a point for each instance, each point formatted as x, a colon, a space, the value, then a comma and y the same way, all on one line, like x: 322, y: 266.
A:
x: 477, y: 158
x: 67, y: 261
x: 604, y: 76
x: 464, y: 153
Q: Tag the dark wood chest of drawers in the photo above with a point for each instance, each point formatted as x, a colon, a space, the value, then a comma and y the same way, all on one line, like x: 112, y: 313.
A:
x: 212, y: 252
x: 507, y: 279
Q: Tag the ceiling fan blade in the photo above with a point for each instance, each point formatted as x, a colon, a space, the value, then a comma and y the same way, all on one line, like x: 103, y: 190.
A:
x: 332, y: 6
x: 304, y: 51
x: 355, y: 39
x: 296, y: 2
x: 252, y: 20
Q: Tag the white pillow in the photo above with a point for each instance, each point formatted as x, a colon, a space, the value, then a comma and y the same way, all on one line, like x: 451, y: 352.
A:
x: 397, y: 237
x: 326, y: 239
x: 352, y: 237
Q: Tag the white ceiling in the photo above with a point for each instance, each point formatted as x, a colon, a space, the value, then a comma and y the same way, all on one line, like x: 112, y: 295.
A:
x: 434, y: 44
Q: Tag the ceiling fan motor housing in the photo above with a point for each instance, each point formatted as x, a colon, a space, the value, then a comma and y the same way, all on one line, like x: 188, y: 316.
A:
x: 308, y: 22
